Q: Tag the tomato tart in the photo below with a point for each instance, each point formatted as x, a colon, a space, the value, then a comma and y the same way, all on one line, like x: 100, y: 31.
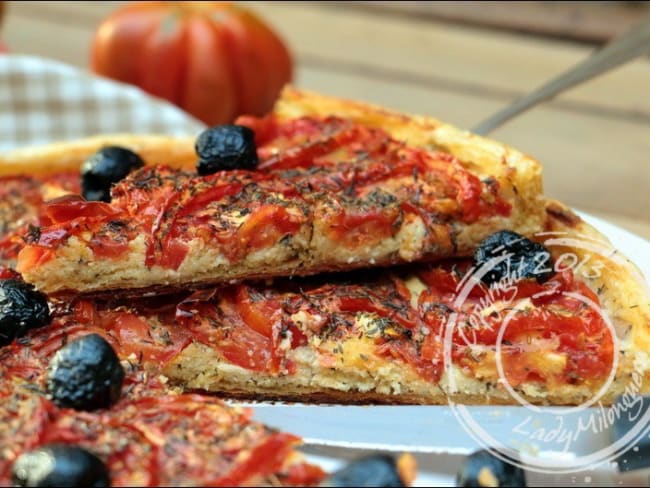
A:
x: 321, y: 185
x: 333, y: 185
x: 152, y: 435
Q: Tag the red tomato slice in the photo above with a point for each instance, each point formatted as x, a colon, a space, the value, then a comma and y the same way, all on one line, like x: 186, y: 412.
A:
x: 265, y: 227
x: 259, y: 313
x: 70, y: 207
x: 264, y: 459
x: 358, y: 228
x: 247, y: 348
x: 135, y: 336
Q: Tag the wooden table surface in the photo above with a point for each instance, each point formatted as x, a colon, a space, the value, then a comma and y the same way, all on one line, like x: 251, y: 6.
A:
x: 593, y: 141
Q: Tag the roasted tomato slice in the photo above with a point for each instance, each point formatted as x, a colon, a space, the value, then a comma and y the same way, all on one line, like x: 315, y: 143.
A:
x: 265, y: 459
x: 355, y: 228
x: 265, y: 227
x: 257, y: 311
x: 70, y: 207
x: 147, y: 342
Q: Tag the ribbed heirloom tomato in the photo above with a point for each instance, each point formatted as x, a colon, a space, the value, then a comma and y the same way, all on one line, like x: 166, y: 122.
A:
x: 215, y: 60
x: 3, y: 48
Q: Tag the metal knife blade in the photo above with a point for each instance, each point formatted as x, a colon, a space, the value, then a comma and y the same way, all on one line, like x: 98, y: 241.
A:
x: 632, y: 44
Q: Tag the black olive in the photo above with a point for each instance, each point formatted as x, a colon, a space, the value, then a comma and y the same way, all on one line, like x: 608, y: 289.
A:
x: 85, y: 374
x: 226, y: 147
x: 21, y: 308
x: 59, y: 465
x: 525, y: 258
x: 104, y: 168
x: 379, y: 470
x: 482, y: 468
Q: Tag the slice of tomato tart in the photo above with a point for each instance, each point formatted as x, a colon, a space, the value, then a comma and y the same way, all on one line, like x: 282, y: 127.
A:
x: 557, y: 319
x: 319, y: 185
x: 78, y: 408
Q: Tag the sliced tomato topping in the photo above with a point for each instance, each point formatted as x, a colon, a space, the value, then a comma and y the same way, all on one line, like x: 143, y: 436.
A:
x: 551, y: 331
x: 431, y: 349
x: 302, y: 474
x: 106, y: 246
x: 264, y: 227
x: 212, y: 194
x: 85, y: 312
x: 173, y: 253
x: 247, y: 348
x: 265, y: 459
x: 45, y: 347
x: 265, y: 128
x: 298, y: 338
x: 469, y: 196
x: 154, y: 216
x: 8, y: 274
x: 70, y: 207
x: 137, y: 337
x: 406, y: 351
x: 259, y: 313
x: 363, y: 227
x: 359, y: 300
x: 221, y: 327
x: 303, y: 154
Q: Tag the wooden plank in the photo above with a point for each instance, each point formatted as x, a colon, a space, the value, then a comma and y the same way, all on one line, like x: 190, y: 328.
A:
x: 71, y: 44
x: 594, y: 22
x: 83, y: 14
x: 589, y: 162
x: 495, y: 64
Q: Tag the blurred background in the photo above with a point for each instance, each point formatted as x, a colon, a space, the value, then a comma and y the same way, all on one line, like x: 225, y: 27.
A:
x: 456, y: 61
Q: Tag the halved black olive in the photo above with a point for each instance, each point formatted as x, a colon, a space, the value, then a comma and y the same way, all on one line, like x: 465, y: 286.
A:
x: 104, y: 168
x: 226, y: 147
x: 524, y: 258
x: 380, y: 470
x: 21, y: 308
x: 59, y: 465
x: 85, y: 374
x: 482, y: 468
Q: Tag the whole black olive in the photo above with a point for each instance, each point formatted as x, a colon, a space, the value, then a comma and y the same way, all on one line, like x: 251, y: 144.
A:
x: 85, y: 374
x: 226, y: 147
x: 104, y: 168
x: 59, y: 465
x: 21, y: 308
x: 525, y: 258
x: 482, y: 468
x: 379, y: 470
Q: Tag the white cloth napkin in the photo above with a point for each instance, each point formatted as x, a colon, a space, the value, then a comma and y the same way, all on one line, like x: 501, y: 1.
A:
x: 43, y: 101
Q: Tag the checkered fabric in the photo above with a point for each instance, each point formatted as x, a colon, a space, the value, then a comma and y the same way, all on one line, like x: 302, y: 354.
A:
x: 43, y: 101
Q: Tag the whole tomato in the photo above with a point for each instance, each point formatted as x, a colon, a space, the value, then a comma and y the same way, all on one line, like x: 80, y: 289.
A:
x: 215, y: 60
x: 3, y: 48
